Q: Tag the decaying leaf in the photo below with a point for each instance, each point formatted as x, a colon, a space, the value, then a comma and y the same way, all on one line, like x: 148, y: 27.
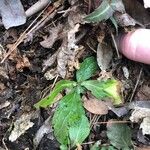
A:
x: 5, y: 104
x: 50, y: 74
x: 143, y: 148
x: 67, y: 33
x: 67, y: 50
x: 21, y: 126
x: 104, y: 56
x: 136, y: 10
x: 119, y: 135
x: 145, y: 126
x: 44, y: 129
x: 143, y: 93
x: 3, y: 73
x: 62, y: 59
x: 104, y: 89
x: 96, y: 106
x: 142, y: 138
x: 124, y: 19
x: 12, y: 13
x: 125, y: 72
x: 53, y: 37
x: 50, y: 61
x: 120, y: 111
x: 21, y: 61
x: 139, y: 113
x: 141, y: 110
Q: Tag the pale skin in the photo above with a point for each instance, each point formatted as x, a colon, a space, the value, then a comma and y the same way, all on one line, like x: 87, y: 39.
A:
x: 136, y: 45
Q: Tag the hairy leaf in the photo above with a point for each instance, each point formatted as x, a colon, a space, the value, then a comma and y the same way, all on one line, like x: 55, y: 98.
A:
x: 87, y: 68
x: 79, y: 131
x: 96, y: 146
x: 103, y: 89
x: 108, y: 148
x: 49, y: 100
x: 105, y: 10
x: 71, y: 126
x: 119, y: 135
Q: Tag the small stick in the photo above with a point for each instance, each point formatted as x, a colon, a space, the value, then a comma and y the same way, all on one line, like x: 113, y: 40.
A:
x: 112, y: 122
x: 115, y: 44
x: 39, y: 5
x: 137, y: 82
x: 27, y: 31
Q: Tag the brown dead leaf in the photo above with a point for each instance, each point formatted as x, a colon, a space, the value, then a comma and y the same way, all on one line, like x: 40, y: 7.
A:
x: 22, y: 124
x: 124, y: 19
x: 5, y: 104
x: 50, y: 61
x: 66, y: 32
x: 145, y: 126
x: 67, y: 51
x: 143, y: 148
x: 53, y: 37
x: 137, y: 11
x: 95, y: 106
x: 50, y: 74
x: 2, y: 52
x: 139, y: 114
x: 11, y: 35
x: 46, y: 128
x: 62, y: 59
x: 104, y: 56
x: 143, y: 93
x: 3, y: 73
x: 21, y: 61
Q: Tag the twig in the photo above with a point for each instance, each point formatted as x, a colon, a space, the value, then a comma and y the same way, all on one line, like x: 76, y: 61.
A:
x: 115, y: 44
x: 88, y: 143
x: 91, y: 48
x: 106, y: 122
x: 20, y: 39
x: 28, y: 30
x: 137, y: 82
x: 4, y: 144
x: 37, y: 7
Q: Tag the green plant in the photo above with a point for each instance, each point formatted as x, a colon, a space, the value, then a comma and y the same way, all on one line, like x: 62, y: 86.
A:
x: 71, y: 126
x: 105, y: 11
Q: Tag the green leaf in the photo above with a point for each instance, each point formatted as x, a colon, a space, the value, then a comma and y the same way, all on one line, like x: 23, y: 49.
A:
x: 63, y: 147
x: 49, y: 100
x: 119, y: 135
x: 108, y: 148
x: 71, y: 126
x: 103, y: 89
x: 96, y: 146
x: 105, y: 10
x: 79, y: 131
x: 87, y: 68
